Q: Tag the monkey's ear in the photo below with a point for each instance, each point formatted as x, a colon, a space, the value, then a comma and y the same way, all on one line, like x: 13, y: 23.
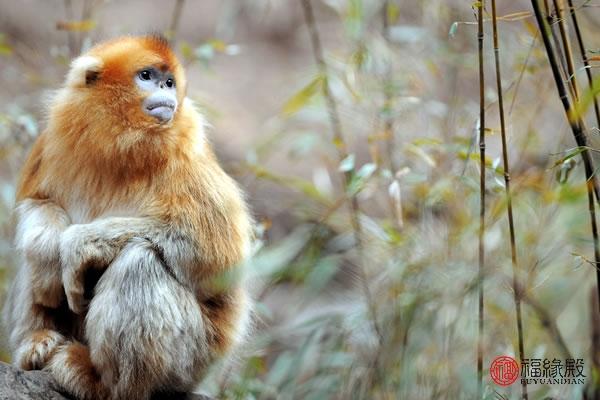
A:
x: 85, y: 71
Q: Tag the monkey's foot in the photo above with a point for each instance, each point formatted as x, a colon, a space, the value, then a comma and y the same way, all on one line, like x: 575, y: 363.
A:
x: 37, y: 349
x: 72, y: 369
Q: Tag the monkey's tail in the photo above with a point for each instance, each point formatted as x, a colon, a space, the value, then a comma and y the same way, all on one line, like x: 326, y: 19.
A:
x: 73, y: 371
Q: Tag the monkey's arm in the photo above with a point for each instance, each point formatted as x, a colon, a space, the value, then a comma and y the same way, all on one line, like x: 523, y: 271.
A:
x: 39, y: 226
x: 96, y: 244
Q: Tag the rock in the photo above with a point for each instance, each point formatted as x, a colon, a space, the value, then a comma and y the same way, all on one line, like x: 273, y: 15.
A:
x: 17, y: 384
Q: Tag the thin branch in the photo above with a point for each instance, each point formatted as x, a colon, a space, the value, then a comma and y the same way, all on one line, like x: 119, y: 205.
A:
x: 481, y: 269
x: 549, y: 323
x: 174, y: 26
x: 388, y: 93
x: 340, y: 144
x: 87, y: 14
x: 511, y: 225
x: 522, y: 73
x: 70, y: 38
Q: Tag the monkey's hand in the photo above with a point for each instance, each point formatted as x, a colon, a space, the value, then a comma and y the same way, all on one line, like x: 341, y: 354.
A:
x: 39, y: 226
x: 84, y: 247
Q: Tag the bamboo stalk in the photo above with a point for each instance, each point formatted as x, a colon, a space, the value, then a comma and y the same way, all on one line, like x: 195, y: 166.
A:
x: 551, y: 20
x: 395, y: 203
x: 594, y: 314
x: 584, y: 58
x: 564, y: 33
x: 509, y: 209
x: 340, y: 144
x: 586, y: 64
x: 481, y: 266
x: 575, y: 121
x: 560, y: 57
x: 387, y: 92
x: 549, y: 323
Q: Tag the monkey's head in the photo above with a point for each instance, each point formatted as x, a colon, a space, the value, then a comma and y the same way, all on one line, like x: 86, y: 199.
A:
x: 127, y: 84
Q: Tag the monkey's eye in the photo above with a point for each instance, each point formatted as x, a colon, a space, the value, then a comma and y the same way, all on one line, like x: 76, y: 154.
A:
x: 145, y: 75
x: 170, y: 83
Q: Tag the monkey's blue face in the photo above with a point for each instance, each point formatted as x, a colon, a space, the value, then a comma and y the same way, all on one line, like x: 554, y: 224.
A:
x: 158, y: 85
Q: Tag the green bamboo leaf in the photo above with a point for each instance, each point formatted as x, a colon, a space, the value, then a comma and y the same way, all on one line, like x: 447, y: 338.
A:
x: 393, y: 12
x: 5, y: 48
x: 272, y: 260
x: 366, y: 170
x: 360, y: 179
x: 453, y: 29
x: 586, y: 100
x: 205, y: 52
x: 570, y: 154
x: 186, y: 50
x: 563, y: 173
x: 347, y: 164
x: 323, y: 271
x: 418, y: 151
x: 280, y: 371
x: 76, y: 26
x: 359, y: 57
x: 425, y: 141
x: 304, y: 96
x: 218, y: 45
x: 299, y: 184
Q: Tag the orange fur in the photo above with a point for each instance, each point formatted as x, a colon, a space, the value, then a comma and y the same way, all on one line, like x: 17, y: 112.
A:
x: 112, y: 154
x: 101, y: 156
x: 80, y: 376
x: 41, y: 346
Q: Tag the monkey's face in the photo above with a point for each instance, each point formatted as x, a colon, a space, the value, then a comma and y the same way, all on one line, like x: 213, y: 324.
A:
x: 159, y: 88
x: 131, y: 84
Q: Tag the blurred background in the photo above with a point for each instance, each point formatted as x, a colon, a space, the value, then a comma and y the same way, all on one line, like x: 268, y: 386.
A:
x: 361, y: 164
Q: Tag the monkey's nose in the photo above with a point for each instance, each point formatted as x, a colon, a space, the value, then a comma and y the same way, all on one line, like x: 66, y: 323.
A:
x: 160, y: 106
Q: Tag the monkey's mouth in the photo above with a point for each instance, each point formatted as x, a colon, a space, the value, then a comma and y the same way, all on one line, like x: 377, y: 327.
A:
x: 159, y: 104
x: 163, y: 110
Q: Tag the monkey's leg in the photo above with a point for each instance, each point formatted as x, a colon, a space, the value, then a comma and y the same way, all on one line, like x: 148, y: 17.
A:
x: 72, y: 368
x: 40, y: 224
x: 145, y: 332
x: 32, y: 304
x: 33, y: 333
